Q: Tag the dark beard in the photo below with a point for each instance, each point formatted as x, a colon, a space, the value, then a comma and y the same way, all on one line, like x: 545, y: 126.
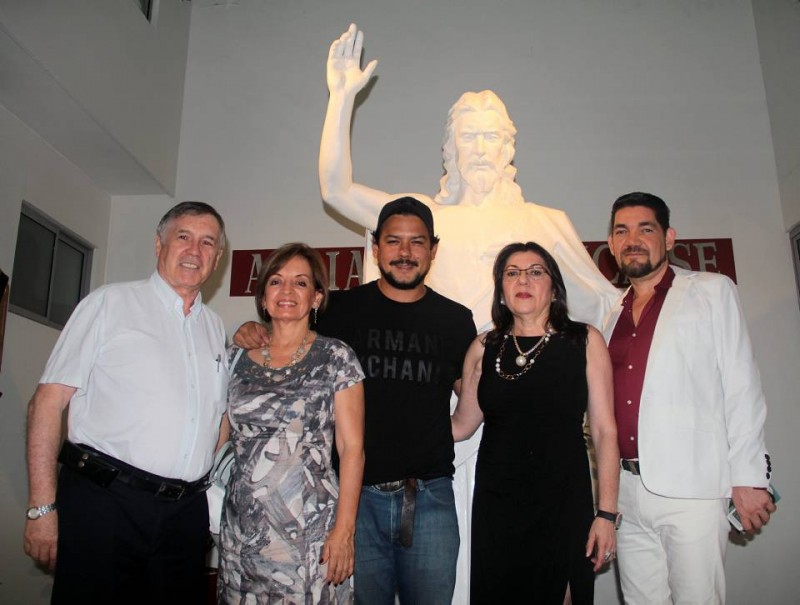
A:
x: 642, y: 270
x: 409, y: 285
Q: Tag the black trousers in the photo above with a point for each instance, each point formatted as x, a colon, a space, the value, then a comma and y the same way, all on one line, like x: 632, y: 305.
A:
x: 121, y: 545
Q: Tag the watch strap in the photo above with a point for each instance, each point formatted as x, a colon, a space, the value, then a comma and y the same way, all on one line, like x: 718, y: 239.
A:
x: 614, y: 518
x: 37, y: 512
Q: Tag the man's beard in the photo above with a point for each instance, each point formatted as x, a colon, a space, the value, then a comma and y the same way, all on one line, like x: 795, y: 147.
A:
x: 641, y: 269
x: 481, y: 180
x: 395, y: 283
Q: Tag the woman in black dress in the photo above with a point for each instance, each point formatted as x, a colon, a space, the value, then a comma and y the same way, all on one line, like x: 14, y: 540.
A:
x: 535, y: 536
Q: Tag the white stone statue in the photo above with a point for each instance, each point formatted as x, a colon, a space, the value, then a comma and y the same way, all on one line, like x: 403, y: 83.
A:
x: 478, y: 210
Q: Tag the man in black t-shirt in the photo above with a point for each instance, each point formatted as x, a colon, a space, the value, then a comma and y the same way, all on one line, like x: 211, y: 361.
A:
x: 411, y: 343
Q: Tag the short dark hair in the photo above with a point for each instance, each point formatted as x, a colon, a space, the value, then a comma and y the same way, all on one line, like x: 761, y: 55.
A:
x: 192, y: 209
x: 638, y: 198
x: 407, y: 206
x: 278, y: 260
x: 558, y: 314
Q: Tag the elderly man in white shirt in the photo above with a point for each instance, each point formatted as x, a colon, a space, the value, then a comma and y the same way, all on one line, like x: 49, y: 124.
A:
x: 142, y: 366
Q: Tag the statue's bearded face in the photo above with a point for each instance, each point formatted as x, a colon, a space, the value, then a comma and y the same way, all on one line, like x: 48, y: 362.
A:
x: 481, y: 149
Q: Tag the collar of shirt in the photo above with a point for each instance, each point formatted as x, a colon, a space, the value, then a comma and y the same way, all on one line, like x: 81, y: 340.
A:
x: 170, y: 298
x: 662, y: 286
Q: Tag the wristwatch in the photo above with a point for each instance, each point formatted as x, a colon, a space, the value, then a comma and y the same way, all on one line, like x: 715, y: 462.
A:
x: 37, y: 512
x: 615, y: 518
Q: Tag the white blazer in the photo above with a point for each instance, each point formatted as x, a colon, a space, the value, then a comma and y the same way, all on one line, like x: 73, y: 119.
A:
x: 702, y: 411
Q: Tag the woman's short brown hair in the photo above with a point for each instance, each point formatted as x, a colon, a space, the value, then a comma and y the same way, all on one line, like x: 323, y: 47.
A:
x: 278, y: 260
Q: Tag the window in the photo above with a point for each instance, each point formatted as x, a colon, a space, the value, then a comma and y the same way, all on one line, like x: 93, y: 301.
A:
x: 146, y: 6
x: 51, y: 271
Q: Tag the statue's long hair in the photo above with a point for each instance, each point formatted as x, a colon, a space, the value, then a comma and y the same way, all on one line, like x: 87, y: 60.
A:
x: 451, y: 183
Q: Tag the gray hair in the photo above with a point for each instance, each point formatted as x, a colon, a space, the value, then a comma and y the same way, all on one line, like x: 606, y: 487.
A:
x: 191, y: 209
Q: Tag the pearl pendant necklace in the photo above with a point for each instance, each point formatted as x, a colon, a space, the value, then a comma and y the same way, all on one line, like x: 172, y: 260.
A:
x: 522, y: 361
x: 522, y: 358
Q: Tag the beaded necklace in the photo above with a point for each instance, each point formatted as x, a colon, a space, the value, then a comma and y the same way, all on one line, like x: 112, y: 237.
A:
x: 526, y: 363
x: 296, y: 356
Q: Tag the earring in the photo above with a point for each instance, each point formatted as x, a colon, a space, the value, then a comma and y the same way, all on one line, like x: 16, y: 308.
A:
x: 315, y: 316
x: 502, y: 301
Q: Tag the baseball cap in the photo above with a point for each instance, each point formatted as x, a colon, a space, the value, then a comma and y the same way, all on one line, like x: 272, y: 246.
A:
x: 406, y: 205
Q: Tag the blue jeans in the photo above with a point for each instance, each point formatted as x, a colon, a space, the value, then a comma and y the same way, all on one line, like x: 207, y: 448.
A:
x: 424, y: 573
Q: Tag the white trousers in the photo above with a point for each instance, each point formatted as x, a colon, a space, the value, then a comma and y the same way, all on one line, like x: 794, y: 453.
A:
x: 670, y: 550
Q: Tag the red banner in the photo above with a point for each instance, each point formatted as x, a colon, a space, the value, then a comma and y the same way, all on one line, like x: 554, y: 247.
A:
x: 345, y: 264
x: 715, y: 255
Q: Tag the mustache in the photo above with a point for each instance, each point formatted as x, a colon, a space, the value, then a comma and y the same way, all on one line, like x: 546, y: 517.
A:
x: 635, y: 249
x: 404, y: 262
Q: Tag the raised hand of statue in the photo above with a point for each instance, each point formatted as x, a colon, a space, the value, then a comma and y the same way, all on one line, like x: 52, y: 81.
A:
x: 345, y: 75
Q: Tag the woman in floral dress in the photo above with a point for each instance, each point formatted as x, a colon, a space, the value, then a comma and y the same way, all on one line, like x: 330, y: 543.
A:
x: 288, y: 524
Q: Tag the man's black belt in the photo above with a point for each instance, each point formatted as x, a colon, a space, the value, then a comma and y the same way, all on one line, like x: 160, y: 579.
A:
x: 409, y: 487
x: 103, y: 469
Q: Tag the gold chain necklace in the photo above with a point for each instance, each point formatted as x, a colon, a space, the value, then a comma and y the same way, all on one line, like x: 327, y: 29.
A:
x: 526, y: 364
x: 296, y: 356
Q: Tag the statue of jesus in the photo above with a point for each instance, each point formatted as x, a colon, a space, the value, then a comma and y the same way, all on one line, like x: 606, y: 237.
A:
x: 479, y: 207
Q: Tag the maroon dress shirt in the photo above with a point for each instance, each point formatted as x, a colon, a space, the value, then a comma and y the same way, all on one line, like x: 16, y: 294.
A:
x: 629, y: 347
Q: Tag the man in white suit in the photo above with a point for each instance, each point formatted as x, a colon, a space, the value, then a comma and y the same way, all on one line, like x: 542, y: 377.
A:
x: 690, y: 415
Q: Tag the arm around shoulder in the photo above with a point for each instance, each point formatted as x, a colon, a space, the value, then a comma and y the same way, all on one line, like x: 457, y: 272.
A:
x: 251, y: 335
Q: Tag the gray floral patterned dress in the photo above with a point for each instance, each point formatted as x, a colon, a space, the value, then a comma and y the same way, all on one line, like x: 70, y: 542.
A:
x: 281, y: 498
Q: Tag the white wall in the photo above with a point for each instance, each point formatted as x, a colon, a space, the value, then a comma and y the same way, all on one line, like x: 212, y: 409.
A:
x: 30, y: 170
x: 778, y: 28
x: 126, y: 73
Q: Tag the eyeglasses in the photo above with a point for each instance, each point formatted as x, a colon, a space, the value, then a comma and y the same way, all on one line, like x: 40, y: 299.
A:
x: 534, y: 273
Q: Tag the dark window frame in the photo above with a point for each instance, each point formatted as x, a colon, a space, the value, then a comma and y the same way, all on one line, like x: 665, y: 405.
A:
x: 64, y: 236
x: 147, y: 7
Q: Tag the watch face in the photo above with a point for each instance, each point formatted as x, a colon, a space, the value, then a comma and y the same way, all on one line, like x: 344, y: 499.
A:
x: 35, y: 512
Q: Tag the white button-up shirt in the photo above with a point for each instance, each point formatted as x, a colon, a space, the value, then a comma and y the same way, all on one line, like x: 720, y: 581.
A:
x: 151, y: 383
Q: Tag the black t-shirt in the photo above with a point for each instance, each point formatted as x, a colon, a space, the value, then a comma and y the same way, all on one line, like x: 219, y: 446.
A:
x: 412, y: 353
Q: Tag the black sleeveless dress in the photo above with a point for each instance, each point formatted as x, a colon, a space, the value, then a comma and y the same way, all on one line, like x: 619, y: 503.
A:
x: 532, y: 507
